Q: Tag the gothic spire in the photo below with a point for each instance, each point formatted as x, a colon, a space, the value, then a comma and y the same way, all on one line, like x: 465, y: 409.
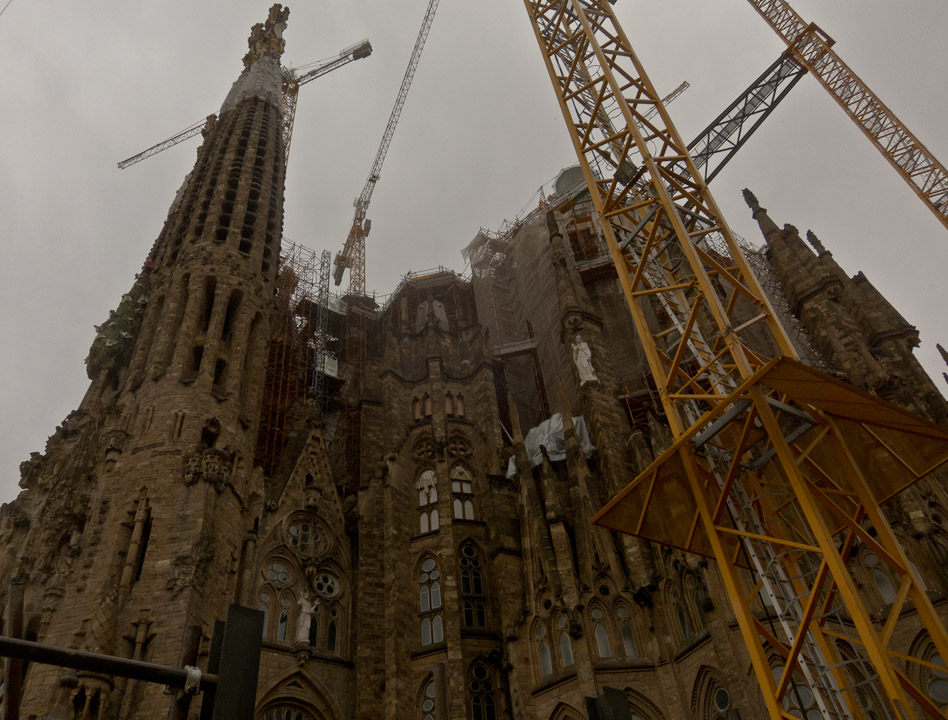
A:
x: 767, y: 226
x: 262, y: 75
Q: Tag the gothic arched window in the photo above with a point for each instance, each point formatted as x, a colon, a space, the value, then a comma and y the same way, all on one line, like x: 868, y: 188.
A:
x: 543, y: 651
x: 429, y: 603
x: 265, y: 608
x: 566, y: 646
x: 462, y: 493
x: 472, y: 587
x: 428, y: 702
x: 602, y: 636
x: 691, y: 582
x: 481, y: 686
x: 427, y: 486
x: 626, y: 632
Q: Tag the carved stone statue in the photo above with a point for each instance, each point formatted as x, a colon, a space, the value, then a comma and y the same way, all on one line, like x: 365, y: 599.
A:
x: 305, y: 619
x: 582, y: 357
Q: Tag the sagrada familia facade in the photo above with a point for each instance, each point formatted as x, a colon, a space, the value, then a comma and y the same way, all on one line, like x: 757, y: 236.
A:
x: 424, y: 529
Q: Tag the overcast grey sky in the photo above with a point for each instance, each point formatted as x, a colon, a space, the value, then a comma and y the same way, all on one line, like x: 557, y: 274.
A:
x: 87, y: 84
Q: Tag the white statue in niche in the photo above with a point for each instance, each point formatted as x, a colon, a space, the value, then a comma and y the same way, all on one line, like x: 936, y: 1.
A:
x: 582, y: 356
x: 305, y: 618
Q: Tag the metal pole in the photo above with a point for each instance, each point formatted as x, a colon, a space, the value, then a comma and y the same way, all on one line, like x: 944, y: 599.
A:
x: 240, y: 664
x: 213, y: 666
x: 94, y: 662
x: 190, y: 644
x: 14, y: 666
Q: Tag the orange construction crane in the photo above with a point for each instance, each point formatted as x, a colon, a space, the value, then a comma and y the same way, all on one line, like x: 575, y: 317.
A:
x: 353, y: 252
x: 292, y: 80
x: 776, y: 468
x: 813, y: 48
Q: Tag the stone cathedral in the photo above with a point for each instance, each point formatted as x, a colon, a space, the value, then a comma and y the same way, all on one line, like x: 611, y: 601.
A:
x: 419, y: 528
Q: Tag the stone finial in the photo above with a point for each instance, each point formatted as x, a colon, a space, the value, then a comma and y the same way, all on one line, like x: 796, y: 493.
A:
x: 943, y: 352
x: 266, y: 39
x: 767, y: 226
x: 751, y: 200
x: 815, y: 242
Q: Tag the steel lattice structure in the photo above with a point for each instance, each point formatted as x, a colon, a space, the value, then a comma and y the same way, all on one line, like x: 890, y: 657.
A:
x: 728, y: 132
x: 352, y: 255
x: 813, y: 48
x: 763, y: 473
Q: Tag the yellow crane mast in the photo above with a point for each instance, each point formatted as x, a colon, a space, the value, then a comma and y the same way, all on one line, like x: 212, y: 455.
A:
x: 768, y: 472
x: 352, y: 255
x: 813, y: 48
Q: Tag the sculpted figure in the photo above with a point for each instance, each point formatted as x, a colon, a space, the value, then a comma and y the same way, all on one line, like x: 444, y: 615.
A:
x: 582, y: 357
x: 305, y: 618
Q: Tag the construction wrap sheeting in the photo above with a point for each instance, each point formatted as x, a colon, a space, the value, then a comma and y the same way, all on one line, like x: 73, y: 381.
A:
x: 549, y: 434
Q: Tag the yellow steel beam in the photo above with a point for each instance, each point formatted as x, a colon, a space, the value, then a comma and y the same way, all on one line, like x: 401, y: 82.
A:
x: 748, y: 488
x: 911, y: 159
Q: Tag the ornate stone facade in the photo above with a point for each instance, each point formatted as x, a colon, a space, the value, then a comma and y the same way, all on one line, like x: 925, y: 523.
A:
x: 396, y: 551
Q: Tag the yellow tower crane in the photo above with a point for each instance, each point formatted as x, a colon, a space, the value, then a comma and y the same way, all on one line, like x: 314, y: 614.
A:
x: 292, y: 80
x: 352, y: 255
x: 813, y: 48
x: 777, y: 470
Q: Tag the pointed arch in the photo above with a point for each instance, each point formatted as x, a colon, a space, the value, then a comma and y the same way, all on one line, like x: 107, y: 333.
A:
x: 473, y: 585
x: 601, y: 624
x: 462, y: 492
x: 482, y: 692
x: 427, y: 699
x: 542, y: 650
x: 710, y: 698
x: 430, y: 600
x: 679, y: 614
x: 628, y: 630
x: 426, y: 485
x: 298, y: 690
x: 641, y: 707
x: 564, y: 711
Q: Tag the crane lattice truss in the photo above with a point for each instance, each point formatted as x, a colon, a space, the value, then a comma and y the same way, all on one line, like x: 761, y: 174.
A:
x: 353, y: 252
x: 813, y: 48
x: 767, y: 469
x: 292, y: 80
x: 727, y: 133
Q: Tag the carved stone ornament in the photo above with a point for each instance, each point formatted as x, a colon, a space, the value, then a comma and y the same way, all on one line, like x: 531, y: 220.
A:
x: 424, y: 448
x: 192, y: 469
x: 458, y: 446
x: 266, y: 39
x: 211, y: 466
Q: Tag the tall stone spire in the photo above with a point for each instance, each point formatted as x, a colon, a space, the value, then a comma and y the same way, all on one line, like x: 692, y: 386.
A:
x: 155, y: 472
x: 767, y: 226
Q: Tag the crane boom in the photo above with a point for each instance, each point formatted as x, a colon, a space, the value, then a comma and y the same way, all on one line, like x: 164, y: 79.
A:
x: 911, y: 159
x: 165, y: 144
x: 734, y: 126
x: 670, y: 98
x: 292, y: 83
x: 291, y: 87
x: 353, y: 252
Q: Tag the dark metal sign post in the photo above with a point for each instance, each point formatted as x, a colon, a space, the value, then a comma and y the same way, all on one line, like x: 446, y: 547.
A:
x: 230, y: 689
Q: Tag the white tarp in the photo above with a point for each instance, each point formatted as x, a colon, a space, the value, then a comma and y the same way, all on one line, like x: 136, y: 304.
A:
x: 549, y: 434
